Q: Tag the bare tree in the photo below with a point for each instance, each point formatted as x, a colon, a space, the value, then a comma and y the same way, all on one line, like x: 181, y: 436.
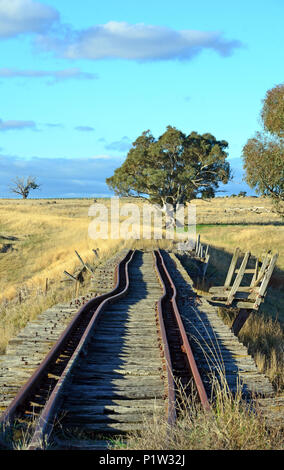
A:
x: 23, y: 186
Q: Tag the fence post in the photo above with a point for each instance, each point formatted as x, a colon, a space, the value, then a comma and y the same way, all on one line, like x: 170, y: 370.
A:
x: 238, y: 279
x: 232, y: 268
x: 240, y: 320
x: 77, y: 285
x: 197, y: 244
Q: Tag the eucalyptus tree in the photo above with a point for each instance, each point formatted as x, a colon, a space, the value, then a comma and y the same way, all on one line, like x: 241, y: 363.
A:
x: 173, y: 169
x: 263, y: 155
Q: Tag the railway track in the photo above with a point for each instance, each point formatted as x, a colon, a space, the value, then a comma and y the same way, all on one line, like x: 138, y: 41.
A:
x: 123, y: 357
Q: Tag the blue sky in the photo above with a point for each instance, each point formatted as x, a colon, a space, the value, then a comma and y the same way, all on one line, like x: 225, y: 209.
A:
x: 79, y: 81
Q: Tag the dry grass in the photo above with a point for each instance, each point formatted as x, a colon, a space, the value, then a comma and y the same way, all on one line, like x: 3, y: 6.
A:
x: 45, y: 236
x: 230, y: 426
x: 42, y: 236
x: 264, y: 338
x: 257, y: 240
x: 251, y: 238
x: 236, y: 210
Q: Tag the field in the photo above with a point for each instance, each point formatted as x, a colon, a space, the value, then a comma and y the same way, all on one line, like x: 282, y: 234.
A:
x: 44, y: 237
x: 38, y: 239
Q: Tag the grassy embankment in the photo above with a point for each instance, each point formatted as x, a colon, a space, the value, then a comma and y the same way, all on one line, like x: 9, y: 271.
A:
x: 229, y: 426
x: 248, y: 223
x: 38, y: 239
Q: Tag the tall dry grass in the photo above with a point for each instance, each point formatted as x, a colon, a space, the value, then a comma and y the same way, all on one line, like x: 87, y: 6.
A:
x: 257, y: 240
x: 264, y: 338
x: 236, y: 210
x: 45, y: 236
x: 231, y: 425
x: 17, y: 312
x: 41, y: 237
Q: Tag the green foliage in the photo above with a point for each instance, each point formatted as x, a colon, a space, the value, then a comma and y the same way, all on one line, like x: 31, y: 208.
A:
x: 264, y: 165
x: 208, y: 193
x: 273, y: 111
x: 172, y: 169
x: 263, y: 155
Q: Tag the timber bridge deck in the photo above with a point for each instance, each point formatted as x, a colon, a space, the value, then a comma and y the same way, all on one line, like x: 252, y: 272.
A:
x: 117, y: 367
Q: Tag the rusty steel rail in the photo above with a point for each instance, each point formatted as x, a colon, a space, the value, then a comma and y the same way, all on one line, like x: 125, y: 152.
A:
x: 171, y: 411
x: 44, y: 425
x: 168, y: 301
x: 85, y: 315
x: 169, y: 324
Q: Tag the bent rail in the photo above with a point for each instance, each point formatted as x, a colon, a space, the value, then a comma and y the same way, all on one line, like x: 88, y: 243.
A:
x: 170, y: 298
x: 84, y: 314
x: 74, y: 343
x: 43, y: 427
x: 167, y: 357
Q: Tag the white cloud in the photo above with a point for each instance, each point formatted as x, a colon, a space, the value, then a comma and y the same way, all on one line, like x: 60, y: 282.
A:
x: 16, y: 125
x: 101, y: 157
x: 25, y: 16
x: 54, y: 75
x: 122, y: 145
x: 54, y: 125
x: 113, y: 40
x: 84, y: 128
x: 121, y: 40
